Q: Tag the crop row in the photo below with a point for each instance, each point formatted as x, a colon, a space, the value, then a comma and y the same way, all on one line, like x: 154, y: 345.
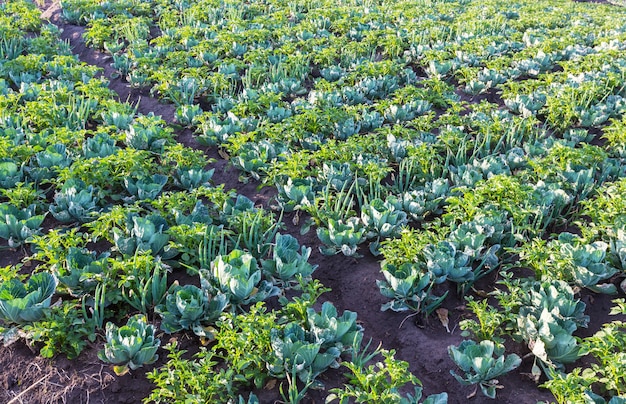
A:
x: 453, y: 137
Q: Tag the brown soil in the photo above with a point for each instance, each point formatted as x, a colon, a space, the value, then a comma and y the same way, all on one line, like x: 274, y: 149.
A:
x: 27, y: 378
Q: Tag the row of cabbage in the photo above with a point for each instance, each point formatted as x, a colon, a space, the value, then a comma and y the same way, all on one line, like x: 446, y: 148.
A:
x: 127, y: 239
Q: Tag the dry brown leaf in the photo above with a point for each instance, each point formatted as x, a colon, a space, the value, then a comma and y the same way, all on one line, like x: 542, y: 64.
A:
x: 481, y: 293
x: 271, y: 383
x: 443, y: 317
x: 223, y: 154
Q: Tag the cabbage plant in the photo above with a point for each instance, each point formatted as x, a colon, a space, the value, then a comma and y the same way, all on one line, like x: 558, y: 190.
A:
x: 429, y: 199
x: 48, y: 162
x: 382, y: 219
x: 186, y: 115
x: 238, y: 276
x: 345, y: 129
x: 18, y: 225
x: 289, y: 261
x: 130, y: 346
x: 587, y: 263
x: 99, y: 146
x: 445, y: 262
x: 147, y: 135
x: 189, y: 307
x: 338, y: 176
x: 331, y: 329
x: 482, y: 363
x: 310, y: 350
x: 192, y: 178
x: 295, y: 352
x: 344, y: 236
x: 20, y: 304
x: 145, y: 188
x: 10, y: 174
x: 74, y: 202
x: 293, y: 194
x: 547, y: 317
x: 120, y: 119
x: 409, y: 288
x: 144, y: 234
x: 81, y: 271
x: 216, y: 131
x: 254, y: 158
x: 526, y: 105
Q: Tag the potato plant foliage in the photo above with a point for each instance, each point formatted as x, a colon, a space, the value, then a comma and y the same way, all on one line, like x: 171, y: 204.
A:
x: 451, y: 139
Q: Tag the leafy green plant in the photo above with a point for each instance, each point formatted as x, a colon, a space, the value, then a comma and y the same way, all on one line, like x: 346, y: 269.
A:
x: 148, y: 134
x: 294, y: 194
x: 289, y: 261
x: 17, y: 226
x: 99, y: 146
x: 190, y: 178
x: 143, y: 234
x: 447, y: 262
x: 143, y: 281
x: 572, y: 259
x: 409, y: 287
x: 52, y: 248
x: 421, y: 202
x: 198, y: 379
x: 545, y: 315
x: 47, y: 163
x: 331, y: 329
x: 190, y: 308
x: 145, y: 188
x: 25, y: 195
x: 608, y: 347
x: 238, y: 276
x: 482, y: 363
x: 62, y: 330
x: 243, y: 342
x: 605, y: 376
x: 296, y: 309
x: 488, y: 323
x: 379, y: 382
x: 130, y: 346
x: 25, y: 303
x: 254, y: 158
x: 588, y: 263
x: 81, y: 271
x: 306, y: 352
x: 10, y: 174
x: 187, y: 115
x: 75, y: 201
x: 294, y: 352
x: 575, y: 385
x: 382, y: 219
x: 341, y: 236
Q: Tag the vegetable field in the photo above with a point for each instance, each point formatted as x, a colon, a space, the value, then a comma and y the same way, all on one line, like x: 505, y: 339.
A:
x: 369, y: 201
